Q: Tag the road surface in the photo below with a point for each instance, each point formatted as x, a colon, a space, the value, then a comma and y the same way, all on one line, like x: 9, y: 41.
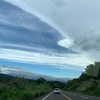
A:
x: 66, y: 96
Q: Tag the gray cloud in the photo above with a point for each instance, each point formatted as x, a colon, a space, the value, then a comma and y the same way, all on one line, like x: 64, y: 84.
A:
x: 79, y: 20
x: 88, y: 41
x: 89, y: 44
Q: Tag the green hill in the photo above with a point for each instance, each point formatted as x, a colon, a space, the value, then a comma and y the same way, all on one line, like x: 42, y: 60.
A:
x: 18, y: 88
x: 88, y: 83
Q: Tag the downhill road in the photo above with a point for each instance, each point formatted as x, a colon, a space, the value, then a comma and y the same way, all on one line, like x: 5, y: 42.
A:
x: 66, y: 96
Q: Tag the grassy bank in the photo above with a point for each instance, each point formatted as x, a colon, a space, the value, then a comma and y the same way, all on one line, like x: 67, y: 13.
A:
x: 88, y: 83
x: 22, y: 89
x: 12, y: 88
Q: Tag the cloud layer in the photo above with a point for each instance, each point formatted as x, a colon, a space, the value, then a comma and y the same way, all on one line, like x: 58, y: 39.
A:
x: 61, y: 61
x: 79, y: 20
x: 73, y: 25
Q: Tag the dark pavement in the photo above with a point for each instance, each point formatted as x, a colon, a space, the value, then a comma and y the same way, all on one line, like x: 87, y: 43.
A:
x: 66, y: 96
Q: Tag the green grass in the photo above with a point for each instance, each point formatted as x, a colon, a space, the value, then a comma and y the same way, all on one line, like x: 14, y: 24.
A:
x: 24, y: 89
x: 21, y: 89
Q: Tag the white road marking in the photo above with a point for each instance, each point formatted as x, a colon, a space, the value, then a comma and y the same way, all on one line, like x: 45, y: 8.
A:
x: 91, y: 96
x: 47, y: 96
x: 84, y: 97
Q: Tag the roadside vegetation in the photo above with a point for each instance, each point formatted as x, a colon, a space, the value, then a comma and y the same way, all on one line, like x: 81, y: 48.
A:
x: 88, y: 83
x: 17, y: 88
x: 12, y: 88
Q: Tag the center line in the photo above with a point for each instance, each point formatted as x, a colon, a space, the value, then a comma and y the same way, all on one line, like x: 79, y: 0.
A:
x: 66, y: 96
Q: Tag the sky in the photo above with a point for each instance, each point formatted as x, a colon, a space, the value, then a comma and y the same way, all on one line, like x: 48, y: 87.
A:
x: 50, y: 37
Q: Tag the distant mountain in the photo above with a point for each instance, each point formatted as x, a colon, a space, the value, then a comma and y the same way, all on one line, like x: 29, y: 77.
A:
x: 20, y: 72
x: 48, y: 78
x: 35, y: 76
x: 6, y: 76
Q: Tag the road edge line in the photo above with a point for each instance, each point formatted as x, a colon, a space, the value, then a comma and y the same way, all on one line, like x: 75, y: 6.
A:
x: 47, y: 96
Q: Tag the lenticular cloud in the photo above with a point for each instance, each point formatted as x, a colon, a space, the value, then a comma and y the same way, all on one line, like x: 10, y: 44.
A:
x: 29, y: 39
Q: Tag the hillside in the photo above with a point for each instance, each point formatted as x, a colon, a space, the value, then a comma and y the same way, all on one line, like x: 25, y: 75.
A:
x: 88, y: 83
x: 17, y: 88
x: 6, y: 76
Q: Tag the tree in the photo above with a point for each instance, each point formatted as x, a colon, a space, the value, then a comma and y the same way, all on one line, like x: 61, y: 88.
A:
x: 98, y: 74
x: 89, y: 67
x: 41, y: 80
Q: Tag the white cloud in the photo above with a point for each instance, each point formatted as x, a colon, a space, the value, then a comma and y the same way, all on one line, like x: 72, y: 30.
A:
x: 67, y: 43
x: 61, y: 61
x: 7, y: 70
x: 18, y: 71
x: 74, y: 19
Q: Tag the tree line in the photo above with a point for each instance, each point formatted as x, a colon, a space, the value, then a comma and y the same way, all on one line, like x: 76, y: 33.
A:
x: 17, y: 88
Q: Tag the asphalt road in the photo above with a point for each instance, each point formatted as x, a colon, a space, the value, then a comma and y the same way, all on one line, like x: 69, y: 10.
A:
x: 66, y: 96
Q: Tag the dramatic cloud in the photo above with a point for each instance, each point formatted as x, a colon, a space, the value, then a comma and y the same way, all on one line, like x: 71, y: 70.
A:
x: 76, y: 19
x: 89, y: 44
x: 28, y: 7
x: 61, y: 61
x: 77, y: 23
